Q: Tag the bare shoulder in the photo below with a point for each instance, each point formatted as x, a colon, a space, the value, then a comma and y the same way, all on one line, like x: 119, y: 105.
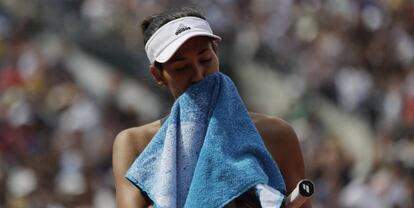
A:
x: 130, y: 143
x: 136, y: 138
x: 278, y: 136
x: 271, y: 127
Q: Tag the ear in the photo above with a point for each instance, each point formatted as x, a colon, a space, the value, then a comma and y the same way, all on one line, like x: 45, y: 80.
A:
x: 156, y: 74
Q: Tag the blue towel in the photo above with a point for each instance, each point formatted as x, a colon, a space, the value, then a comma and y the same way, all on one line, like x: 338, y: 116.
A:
x: 207, y: 152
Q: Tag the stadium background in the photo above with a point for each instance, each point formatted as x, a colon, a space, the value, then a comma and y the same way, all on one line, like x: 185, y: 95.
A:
x: 73, y: 73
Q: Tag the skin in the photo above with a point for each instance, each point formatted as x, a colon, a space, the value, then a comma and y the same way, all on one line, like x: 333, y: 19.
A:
x: 194, y: 60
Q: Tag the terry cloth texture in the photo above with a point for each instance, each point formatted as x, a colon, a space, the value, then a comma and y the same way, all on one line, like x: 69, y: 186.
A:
x: 206, y: 153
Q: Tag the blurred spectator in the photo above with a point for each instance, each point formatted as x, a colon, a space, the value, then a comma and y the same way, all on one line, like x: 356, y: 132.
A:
x: 73, y: 74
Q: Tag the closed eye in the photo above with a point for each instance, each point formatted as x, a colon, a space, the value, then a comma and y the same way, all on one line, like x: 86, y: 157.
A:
x: 181, y: 69
x: 205, y: 61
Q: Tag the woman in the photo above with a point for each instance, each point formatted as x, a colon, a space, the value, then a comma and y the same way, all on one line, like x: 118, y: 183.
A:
x: 177, y: 64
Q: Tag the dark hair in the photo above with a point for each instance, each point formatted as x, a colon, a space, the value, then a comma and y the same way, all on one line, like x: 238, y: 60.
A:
x: 154, y: 22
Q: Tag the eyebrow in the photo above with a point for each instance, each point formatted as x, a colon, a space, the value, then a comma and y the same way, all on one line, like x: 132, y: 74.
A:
x: 177, y: 59
x: 202, y: 51
x: 183, y: 58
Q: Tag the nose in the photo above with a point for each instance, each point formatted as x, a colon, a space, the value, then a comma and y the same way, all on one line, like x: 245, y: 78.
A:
x: 198, y: 73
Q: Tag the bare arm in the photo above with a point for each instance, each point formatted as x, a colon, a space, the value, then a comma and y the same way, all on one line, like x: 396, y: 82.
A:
x: 125, y: 150
x: 283, y: 144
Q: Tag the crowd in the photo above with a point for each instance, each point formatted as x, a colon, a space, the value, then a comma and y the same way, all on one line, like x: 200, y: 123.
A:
x: 344, y: 74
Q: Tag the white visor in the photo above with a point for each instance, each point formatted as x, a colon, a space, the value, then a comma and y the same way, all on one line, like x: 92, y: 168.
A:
x: 167, y: 39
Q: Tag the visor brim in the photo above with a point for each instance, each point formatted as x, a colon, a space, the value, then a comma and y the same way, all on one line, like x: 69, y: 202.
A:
x: 169, y: 50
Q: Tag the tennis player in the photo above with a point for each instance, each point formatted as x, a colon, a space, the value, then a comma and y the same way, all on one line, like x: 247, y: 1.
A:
x: 176, y: 63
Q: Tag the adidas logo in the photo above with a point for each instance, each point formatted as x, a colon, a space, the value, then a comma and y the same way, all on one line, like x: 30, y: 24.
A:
x: 181, y: 29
